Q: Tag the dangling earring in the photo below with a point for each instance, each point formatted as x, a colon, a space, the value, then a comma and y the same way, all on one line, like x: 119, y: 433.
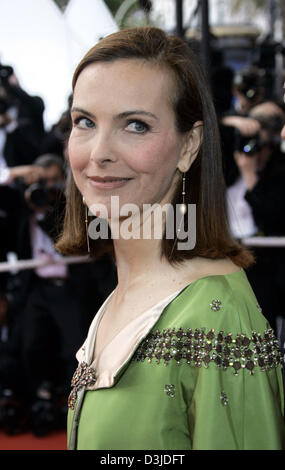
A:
x: 183, y: 210
x: 86, y: 223
x: 183, y: 207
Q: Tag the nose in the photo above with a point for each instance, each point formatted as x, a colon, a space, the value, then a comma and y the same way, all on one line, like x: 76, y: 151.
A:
x: 102, y: 150
x: 283, y: 132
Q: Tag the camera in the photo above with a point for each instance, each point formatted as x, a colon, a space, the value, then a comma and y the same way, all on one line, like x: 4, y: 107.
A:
x: 248, y: 145
x: 41, y: 195
x: 249, y: 83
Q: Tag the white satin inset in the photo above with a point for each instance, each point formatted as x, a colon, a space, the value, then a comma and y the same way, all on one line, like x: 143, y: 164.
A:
x: 122, y: 346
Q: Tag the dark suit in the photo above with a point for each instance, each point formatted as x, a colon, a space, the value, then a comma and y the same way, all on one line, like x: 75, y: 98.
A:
x: 23, y: 144
x: 22, y: 147
x: 10, y: 202
x: 267, y: 201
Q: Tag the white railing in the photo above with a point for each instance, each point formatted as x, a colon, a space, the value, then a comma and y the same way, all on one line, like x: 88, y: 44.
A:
x: 18, y: 265
x: 264, y: 241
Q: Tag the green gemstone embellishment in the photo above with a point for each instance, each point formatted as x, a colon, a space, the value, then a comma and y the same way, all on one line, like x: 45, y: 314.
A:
x: 224, y: 399
x: 216, y: 305
x: 170, y: 390
x: 201, y: 348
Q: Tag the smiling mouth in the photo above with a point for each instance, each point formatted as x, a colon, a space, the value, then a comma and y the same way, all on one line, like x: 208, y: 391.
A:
x: 108, y: 179
x: 108, y: 182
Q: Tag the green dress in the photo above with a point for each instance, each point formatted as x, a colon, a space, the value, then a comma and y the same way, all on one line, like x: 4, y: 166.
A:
x: 204, y: 372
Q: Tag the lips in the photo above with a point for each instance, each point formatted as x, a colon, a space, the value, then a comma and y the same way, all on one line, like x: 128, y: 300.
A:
x: 108, y: 182
x: 107, y: 179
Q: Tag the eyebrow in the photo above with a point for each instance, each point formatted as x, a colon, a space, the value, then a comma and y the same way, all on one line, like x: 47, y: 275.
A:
x: 136, y: 111
x: 119, y: 116
x: 75, y: 109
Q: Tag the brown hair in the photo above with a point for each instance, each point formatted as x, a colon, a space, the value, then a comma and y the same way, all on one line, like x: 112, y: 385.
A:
x: 205, y: 185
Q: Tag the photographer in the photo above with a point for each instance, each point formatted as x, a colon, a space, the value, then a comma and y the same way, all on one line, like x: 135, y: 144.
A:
x: 38, y: 196
x: 21, y: 133
x: 248, y: 90
x: 21, y: 122
x: 244, y: 91
x: 256, y: 200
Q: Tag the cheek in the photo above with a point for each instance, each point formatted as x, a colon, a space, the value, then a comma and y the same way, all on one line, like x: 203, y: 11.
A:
x: 78, y: 160
x: 77, y: 155
x: 159, y: 156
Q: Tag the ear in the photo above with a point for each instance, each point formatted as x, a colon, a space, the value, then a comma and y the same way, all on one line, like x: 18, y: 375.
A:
x: 191, y: 147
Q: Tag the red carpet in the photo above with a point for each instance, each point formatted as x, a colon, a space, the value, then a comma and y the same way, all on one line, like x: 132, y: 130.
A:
x: 27, y: 441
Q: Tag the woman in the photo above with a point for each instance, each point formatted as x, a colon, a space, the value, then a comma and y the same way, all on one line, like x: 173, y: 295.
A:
x: 176, y: 357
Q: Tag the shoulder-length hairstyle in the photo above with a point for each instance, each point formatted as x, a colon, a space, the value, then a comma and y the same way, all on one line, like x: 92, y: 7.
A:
x: 205, y: 185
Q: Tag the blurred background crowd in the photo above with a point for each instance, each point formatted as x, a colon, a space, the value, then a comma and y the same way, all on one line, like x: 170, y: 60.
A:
x: 45, y: 312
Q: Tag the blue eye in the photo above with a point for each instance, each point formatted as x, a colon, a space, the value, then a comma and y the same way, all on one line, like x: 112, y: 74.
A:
x: 138, y: 127
x: 83, y: 123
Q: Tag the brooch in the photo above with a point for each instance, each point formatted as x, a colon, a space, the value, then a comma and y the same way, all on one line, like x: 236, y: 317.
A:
x: 83, y: 376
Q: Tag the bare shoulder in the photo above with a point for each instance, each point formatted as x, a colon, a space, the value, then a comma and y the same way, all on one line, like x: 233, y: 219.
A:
x: 202, y: 267
x: 221, y: 266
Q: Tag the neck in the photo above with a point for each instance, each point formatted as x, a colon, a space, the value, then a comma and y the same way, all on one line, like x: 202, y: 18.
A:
x: 138, y: 257
x: 138, y: 260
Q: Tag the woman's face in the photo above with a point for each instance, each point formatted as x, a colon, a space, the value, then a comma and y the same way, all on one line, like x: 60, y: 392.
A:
x: 123, y: 141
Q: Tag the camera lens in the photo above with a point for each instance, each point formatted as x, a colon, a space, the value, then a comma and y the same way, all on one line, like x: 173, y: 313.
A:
x: 39, y: 195
x: 251, y: 147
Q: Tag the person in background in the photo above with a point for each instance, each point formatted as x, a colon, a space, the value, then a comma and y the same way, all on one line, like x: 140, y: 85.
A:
x: 256, y: 201
x: 21, y: 134
x: 21, y: 122
x: 248, y: 90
